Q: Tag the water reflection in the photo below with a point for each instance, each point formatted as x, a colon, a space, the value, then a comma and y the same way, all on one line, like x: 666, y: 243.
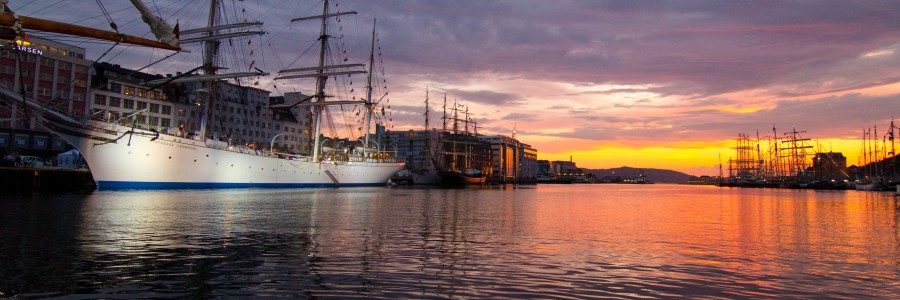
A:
x: 548, y: 241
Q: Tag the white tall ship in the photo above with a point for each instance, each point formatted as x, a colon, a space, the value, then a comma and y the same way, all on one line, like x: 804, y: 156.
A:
x: 123, y: 156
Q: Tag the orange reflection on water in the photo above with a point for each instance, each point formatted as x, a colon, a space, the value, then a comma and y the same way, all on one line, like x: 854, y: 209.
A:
x: 755, y: 232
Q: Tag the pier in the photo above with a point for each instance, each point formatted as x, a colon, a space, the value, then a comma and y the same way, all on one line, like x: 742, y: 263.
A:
x: 20, y: 180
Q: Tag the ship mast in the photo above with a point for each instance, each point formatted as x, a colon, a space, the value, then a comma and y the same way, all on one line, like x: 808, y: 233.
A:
x: 369, y: 102
x: 210, y: 48
x: 321, y: 73
x: 427, y: 132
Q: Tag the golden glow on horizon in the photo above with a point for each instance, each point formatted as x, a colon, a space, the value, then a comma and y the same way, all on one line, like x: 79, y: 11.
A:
x: 694, y: 158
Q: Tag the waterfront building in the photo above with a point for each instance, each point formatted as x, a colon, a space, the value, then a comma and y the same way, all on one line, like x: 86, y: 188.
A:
x: 295, y: 121
x: 53, y: 73
x: 513, y: 161
x: 561, y: 167
x: 240, y: 115
x: 411, y: 147
x: 830, y: 166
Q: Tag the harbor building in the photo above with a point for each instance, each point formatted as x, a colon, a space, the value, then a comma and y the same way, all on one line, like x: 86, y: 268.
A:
x: 411, y: 147
x: 513, y: 161
x: 241, y: 115
x: 830, y: 166
x: 53, y: 73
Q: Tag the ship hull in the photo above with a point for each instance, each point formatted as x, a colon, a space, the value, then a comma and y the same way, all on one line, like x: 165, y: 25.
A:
x: 455, y: 179
x: 120, y: 159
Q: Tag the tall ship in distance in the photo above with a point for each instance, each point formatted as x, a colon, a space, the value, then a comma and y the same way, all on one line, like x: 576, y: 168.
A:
x: 123, y: 152
x: 453, y: 155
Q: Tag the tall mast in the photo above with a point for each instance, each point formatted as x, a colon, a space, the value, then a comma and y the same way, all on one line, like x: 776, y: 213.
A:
x: 444, y: 118
x: 369, y: 102
x: 427, y: 132
x: 209, y: 68
x: 320, y: 81
x: 455, y: 117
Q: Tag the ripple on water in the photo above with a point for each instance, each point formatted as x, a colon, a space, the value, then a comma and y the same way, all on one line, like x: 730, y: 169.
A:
x: 547, y: 242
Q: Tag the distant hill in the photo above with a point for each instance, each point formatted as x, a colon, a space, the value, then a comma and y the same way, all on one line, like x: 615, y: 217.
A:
x: 651, y: 175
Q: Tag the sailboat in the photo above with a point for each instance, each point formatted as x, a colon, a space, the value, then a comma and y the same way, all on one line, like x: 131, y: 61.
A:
x: 122, y: 155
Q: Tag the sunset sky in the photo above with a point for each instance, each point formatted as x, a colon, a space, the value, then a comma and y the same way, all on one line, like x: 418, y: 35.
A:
x: 663, y: 84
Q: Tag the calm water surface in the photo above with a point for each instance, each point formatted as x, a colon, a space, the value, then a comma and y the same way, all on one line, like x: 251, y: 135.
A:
x: 545, y: 241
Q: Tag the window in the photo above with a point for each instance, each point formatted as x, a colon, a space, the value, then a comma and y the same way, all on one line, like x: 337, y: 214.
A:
x: 154, y: 108
x: 65, y: 65
x: 141, y: 92
x: 47, y: 62
x: 100, y: 100
x: 153, y: 121
x: 128, y: 104
x: 164, y: 122
x: 141, y: 105
x: 44, y: 92
x: 78, y: 97
x: 141, y: 119
x: 46, y: 76
x: 166, y: 110
x: 115, y: 88
x: 151, y: 94
x: 181, y: 112
x: 80, y: 83
x: 129, y: 90
x: 114, y: 102
x: 80, y: 69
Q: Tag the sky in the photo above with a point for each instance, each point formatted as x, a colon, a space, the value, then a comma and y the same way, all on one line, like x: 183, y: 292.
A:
x: 646, y: 84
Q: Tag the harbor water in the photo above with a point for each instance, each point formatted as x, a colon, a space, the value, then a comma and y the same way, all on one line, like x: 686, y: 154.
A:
x: 544, y: 241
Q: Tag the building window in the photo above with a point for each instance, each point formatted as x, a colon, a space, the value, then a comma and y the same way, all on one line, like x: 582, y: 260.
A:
x: 164, y: 122
x: 78, y: 97
x: 44, y: 92
x: 141, y: 105
x: 48, y: 62
x: 166, y: 110
x: 129, y: 90
x: 115, y: 88
x: 140, y: 119
x: 141, y: 92
x: 80, y: 83
x: 46, y: 76
x: 153, y: 95
x: 100, y: 100
x: 81, y: 69
x: 181, y: 112
x: 114, y: 102
x: 154, y: 108
x: 128, y: 104
x: 65, y: 66
x: 153, y: 121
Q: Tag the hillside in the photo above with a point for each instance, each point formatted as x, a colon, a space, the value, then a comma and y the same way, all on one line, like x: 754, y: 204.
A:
x: 652, y: 175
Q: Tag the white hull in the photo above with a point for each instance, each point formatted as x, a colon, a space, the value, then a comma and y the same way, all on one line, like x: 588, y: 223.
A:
x: 137, y: 161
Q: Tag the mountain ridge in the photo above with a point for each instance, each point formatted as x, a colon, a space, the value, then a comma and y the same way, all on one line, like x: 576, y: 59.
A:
x: 650, y: 174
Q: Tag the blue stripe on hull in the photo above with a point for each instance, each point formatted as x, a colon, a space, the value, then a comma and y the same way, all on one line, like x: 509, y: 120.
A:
x: 135, y: 185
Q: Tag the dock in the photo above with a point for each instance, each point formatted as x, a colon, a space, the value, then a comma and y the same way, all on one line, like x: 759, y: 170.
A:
x: 45, y: 180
